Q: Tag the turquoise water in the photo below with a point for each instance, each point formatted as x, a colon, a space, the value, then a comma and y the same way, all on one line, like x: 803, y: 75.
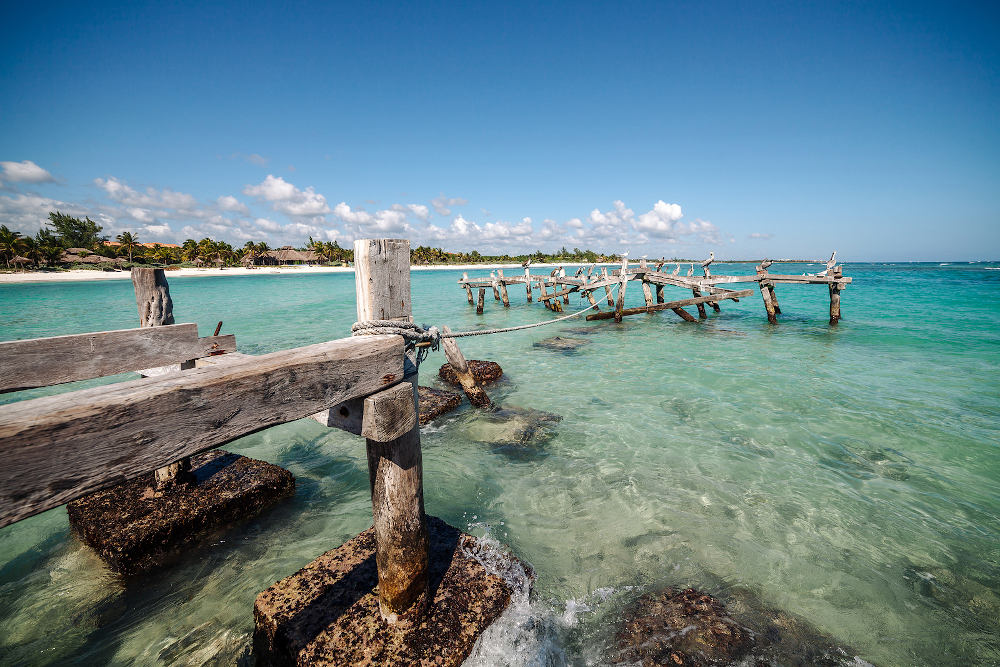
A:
x: 848, y: 475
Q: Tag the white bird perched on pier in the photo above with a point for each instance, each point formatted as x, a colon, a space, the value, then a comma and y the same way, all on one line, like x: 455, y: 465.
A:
x: 555, y: 271
x: 830, y: 263
x: 766, y: 263
x: 691, y: 270
x: 526, y: 264
x: 707, y: 263
x: 677, y: 269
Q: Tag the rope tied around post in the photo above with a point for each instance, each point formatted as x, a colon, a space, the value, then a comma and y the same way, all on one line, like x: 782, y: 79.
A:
x: 426, y: 338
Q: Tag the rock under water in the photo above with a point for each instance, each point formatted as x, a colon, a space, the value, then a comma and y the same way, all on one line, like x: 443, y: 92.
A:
x: 692, y: 629
x: 513, y: 427
x: 561, y: 344
x: 436, y: 402
x: 485, y: 372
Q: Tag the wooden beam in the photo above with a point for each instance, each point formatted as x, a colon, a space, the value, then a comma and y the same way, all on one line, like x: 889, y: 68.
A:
x: 503, y: 289
x: 672, y: 305
x: 477, y: 396
x: 383, y: 290
x: 765, y: 294
x: 606, y: 283
x: 701, y: 304
x: 40, y: 362
x: 58, y: 448
x: 468, y: 290
x: 480, y: 301
x: 620, y: 305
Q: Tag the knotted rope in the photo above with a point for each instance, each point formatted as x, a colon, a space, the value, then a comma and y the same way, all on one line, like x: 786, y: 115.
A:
x: 425, y: 338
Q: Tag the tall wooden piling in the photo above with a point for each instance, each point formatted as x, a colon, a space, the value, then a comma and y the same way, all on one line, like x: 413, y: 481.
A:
x: 152, y: 296
x: 607, y: 288
x: 701, y: 307
x: 646, y: 292
x: 382, y: 275
x: 620, y: 306
x: 765, y: 294
x: 527, y: 282
x: 495, y: 286
x: 458, y: 363
x: 503, y: 290
x: 481, y: 301
x: 468, y: 290
x: 659, y: 294
x: 774, y: 300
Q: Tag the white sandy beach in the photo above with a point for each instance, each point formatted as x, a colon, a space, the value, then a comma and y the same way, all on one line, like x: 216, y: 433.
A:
x: 84, y: 274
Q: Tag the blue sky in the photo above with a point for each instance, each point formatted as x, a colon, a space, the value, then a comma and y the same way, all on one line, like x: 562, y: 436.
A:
x: 750, y: 129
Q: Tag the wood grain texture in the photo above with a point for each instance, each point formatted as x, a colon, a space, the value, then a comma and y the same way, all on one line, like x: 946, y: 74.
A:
x: 382, y: 279
x: 58, y: 448
x: 503, y: 289
x: 389, y: 414
x: 41, y: 362
x: 671, y: 305
x: 475, y: 393
x: 152, y: 296
x: 765, y: 294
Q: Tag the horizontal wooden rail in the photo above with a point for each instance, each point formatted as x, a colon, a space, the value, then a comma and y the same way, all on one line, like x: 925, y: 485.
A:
x: 671, y: 305
x: 40, y: 362
x: 59, y: 448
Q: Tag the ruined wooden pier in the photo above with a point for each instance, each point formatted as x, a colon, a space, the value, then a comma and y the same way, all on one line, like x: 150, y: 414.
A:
x: 405, y: 590
x: 706, y: 289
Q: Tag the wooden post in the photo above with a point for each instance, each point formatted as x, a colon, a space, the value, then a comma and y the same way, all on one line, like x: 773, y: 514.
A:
x: 503, y: 290
x: 496, y: 287
x: 590, y: 297
x: 481, y: 301
x: 152, y: 296
x: 684, y: 315
x: 458, y: 363
x: 765, y: 294
x: 835, y: 297
x: 621, y: 291
x: 646, y: 292
x: 562, y: 274
x: 607, y: 288
x: 659, y: 294
x: 527, y: 282
x: 382, y: 278
x: 774, y: 301
x: 701, y: 307
x: 468, y: 290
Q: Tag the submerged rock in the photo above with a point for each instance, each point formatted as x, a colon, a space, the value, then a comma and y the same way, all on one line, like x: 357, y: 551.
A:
x: 131, y: 530
x: 513, y: 427
x: 691, y: 628
x: 485, y: 372
x: 562, y: 344
x: 436, y: 402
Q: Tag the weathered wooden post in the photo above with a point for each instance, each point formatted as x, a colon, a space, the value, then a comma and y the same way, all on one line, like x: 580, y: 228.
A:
x: 835, y: 288
x: 481, y: 301
x: 152, y: 296
x: 774, y: 301
x: 468, y: 290
x: 562, y: 274
x: 646, y: 292
x: 621, y: 290
x: 765, y: 294
x: 458, y: 363
x: 607, y: 288
x: 701, y: 307
x: 503, y: 289
x: 382, y: 280
x: 493, y: 284
x: 527, y: 281
x: 659, y: 294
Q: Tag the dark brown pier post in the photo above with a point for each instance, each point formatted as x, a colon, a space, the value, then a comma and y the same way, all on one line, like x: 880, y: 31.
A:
x: 481, y: 301
x: 503, y: 289
x: 701, y: 307
x: 382, y: 274
x: 152, y: 296
x: 765, y: 294
x: 835, y: 288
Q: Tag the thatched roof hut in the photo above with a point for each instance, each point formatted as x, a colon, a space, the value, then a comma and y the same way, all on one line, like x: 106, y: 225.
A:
x: 292, y: 256
x: 18, y: 259
x: 198, y: 261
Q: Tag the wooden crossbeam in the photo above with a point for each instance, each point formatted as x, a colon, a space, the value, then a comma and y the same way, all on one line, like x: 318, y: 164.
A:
x: 41, y: 362
x: 59, y: 448
x: 671, y: 305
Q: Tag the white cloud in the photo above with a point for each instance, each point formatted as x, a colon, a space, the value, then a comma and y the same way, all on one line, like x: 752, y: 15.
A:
x: 118, y: 191
x: 267, y: 225
x: 231, y: 203
x: 354, y: 217
x: 418, y: 210
x: 253, y: 158
x: 441, y: 204
x: 759, y: 235
x: 158, y: 230
x: 287, y: 198
x: 661, y: 220
x: 25, y: 171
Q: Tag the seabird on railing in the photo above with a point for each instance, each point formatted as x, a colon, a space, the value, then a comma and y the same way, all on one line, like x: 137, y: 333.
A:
x: 707, y: 263
x: 763, y: 265
x: 677, y: 269
x: 526, y: 264
x: 691, y: 270
x: 829, y: 265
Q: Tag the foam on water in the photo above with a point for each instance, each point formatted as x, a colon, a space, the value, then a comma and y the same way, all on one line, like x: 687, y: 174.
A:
x: 849, y: 475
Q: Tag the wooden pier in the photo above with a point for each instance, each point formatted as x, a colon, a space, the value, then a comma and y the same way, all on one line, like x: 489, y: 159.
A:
x: 407, y: 590
x: 706, y: 289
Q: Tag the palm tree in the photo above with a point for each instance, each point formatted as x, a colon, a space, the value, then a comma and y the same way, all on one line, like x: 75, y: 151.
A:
x: 9, y: 243
x: 189, y: 250
x: 129, y: 242
x: 31, y: 249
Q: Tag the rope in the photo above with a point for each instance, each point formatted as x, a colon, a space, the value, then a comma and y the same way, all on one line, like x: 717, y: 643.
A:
x: 415, y: 333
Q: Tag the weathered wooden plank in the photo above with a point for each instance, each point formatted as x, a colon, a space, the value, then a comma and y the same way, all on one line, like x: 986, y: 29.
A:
x: 672, y: 305
x: 40, y: 362
x: 389, y: 414
x: 58, y: 448
x: 684, y: 315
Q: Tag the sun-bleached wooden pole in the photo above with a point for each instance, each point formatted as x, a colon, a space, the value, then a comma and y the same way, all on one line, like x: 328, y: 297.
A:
x: 152, y: 296
x: 382, y: 277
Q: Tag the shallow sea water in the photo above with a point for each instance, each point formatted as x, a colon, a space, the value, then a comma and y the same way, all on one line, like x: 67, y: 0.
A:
x: 847, y: 475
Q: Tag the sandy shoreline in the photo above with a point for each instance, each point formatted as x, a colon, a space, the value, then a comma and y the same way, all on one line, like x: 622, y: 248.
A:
x: 83, y: 274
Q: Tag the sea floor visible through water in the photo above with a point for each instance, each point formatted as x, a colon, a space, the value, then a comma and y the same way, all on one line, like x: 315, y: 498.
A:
x: 848, y: 476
